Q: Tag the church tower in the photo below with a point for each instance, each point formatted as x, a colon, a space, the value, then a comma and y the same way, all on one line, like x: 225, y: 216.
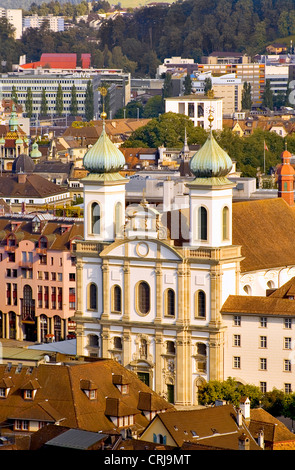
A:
x: 104, y: 219
x: 210, y: 196
x: 104, y: 191
x: 210, y: 201
x: 286, y: 178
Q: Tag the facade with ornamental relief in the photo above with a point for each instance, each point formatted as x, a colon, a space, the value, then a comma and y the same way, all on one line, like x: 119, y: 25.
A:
x: 153, y: 288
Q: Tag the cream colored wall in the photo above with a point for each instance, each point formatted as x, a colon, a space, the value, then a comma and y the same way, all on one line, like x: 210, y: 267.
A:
x: 250, y: 351
x: 156, y: 427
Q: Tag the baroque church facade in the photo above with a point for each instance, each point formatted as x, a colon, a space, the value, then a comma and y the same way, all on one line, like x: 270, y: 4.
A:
x: 179, y: 297
x: 150, y: 286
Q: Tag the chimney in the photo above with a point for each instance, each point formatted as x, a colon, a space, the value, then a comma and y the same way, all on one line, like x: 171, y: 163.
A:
x: 244, y: 442
x: 260, y: 439
x: 245, y: 407
x: 22, y: 178
x: 239, y: 418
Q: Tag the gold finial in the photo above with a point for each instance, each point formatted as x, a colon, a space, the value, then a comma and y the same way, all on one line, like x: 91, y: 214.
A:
x: 210, y: 93
x: 210, y: 118
x: 103, y: 91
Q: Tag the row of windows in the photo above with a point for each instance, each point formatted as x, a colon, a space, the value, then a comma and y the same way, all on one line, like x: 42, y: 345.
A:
x: 264, y: 389
x: 41, y: 275
x: 95, y: 227
x: 262, y: 363
x: 143, y: 300
x: 262, y: 342
x: 237, y: 321
x: 203, y: 223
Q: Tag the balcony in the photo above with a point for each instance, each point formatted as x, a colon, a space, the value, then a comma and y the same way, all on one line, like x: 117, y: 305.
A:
x: 27, y: 311
x: 41, y: 251
x: 26, y: 264
x: 10, y: 248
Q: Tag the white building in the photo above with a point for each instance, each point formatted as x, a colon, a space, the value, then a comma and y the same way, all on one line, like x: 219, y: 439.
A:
x: 56, y: 23
x: 198, y: 109
x: 15, y: 18
x: 226, y: 86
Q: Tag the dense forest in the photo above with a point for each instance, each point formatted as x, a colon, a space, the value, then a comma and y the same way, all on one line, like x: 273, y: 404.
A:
x: 140, y: 40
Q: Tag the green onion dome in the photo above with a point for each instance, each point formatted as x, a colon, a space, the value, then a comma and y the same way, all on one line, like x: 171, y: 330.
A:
x: 13, y: 121
x: 104, y: 156
x: 211, y: 161
x: 35, y: 152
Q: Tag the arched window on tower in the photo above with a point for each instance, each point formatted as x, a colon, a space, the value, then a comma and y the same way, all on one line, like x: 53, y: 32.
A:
x: 143, y: 297
x: 95, y: 218
x: 92, y: 296
x: 203, y: 224
x: 118, y: 218
x: 116, y: 299
x: 170, y: 303
x: 225, y: 223
x: 200, y: 304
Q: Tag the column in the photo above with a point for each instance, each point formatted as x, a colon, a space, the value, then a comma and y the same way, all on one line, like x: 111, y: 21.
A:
x: 159, y: 385
x: 106, y: 289
x: 126, y: 290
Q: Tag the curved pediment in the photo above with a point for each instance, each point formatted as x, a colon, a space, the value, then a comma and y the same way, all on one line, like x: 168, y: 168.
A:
x: 141, y: 248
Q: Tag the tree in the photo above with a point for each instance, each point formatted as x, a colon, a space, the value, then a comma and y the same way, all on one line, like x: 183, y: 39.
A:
x: 168, y: 129
x: 44, y: 105
x: 29, y: 103
x: 14, y: 95
x: 208, y: 85
x: 229, y: 390
x: 89, y: 105
x: 74, y: 103
x: 153, y: 107
x: 267, y: 98
x: 187, y: 85
x: 59, y: 104
x: 246, y: 96
x: 134, y: 109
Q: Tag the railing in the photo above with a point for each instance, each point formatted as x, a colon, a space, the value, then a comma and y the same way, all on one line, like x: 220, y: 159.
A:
x: 27, y: 310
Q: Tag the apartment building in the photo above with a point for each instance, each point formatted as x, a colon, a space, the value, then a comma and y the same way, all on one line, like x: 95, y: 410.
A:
x: 37, y: 273
x: 39, y: 81
x: 227, y: 87
x: 15, y: 18
x: 243, y: 69
x: 56, y: 23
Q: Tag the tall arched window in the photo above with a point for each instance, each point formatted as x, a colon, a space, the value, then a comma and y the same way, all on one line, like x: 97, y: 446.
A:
x: 118, y: 342
x: 203, y: 224
x: 118, y: 217
x: 93, y: 296
x: 170, y: 302
x: 95, y: 218
x: 117, y: 298
x: 225, y: 223
x: 200, y: 303
x: 143, y: 295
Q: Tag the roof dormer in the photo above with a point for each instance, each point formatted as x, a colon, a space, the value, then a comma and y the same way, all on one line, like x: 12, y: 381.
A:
x: 29, y: 390
x: 89, y: 388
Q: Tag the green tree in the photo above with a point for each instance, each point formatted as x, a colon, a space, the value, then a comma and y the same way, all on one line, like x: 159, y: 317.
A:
x: 29, y: 103
x: 14, y: 95
x: 246, y: 96
x: 74, y: 103
x: 229, y: 390
x: 89, y: 105
x: 187, y: 84
x: 44, y: 104
x: 267, y: 98
x: 207, y: 85
x: 153, y: 107
x: 59, y: 103
x: 134, y: 109
x: 168, y: 129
